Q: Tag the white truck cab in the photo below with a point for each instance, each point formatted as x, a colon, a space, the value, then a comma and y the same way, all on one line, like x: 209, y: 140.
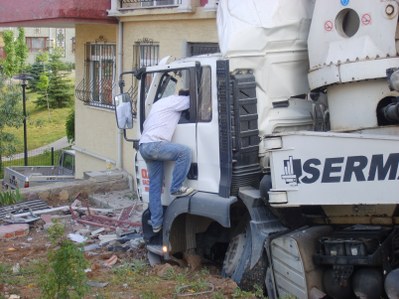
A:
x: 294, y: 134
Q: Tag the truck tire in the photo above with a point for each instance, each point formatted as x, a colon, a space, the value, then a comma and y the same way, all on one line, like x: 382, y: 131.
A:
x: 236, y: 264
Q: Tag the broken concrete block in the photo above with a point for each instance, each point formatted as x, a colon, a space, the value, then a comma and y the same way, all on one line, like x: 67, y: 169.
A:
x: 14, y: 231
x: 77, y: 238
x: 104, y: 239
x: 97, y: 231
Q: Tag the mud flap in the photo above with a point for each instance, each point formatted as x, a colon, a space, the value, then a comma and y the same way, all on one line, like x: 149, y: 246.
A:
x: 201, y: 204
x: 263, y: 222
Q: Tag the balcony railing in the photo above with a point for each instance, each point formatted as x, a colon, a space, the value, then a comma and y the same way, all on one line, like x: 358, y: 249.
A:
x: 148, y: 3
x: 96, y: 93
x: 180, y: 5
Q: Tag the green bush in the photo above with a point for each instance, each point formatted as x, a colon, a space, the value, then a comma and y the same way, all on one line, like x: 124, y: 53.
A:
x: 70, y: 126
x: 10, y: 197
x: 64, y: 276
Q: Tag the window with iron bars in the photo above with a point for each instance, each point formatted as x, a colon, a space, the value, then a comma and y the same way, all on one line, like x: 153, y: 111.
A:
x: 202, y: 48
x: 145, y: 53
x: 99, y: 75
x: 148, y: 3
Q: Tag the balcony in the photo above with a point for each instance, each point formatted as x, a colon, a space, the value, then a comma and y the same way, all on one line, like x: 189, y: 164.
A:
x: 119, y: 7
x: 137, y: 4
x: 54, y: 13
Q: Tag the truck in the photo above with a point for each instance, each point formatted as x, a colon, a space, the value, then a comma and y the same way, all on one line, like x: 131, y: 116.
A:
x: 16, y: 177
x: 294, y: 129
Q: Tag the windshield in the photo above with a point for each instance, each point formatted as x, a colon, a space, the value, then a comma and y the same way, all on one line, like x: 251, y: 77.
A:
x: 163, y: 84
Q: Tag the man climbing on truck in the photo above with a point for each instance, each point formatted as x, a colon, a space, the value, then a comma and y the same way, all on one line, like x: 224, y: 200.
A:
x: 156, y: 148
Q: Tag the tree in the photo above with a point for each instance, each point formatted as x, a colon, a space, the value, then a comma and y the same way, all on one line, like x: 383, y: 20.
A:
x: 70, y: 126
x: 21, y: 51
x: 9, y: 49
x: 10, y: 93
x: 16, y: 52
x: 43, y: 83
x: 37, y: 69
x: 60, y: 91
x: 10, y: 115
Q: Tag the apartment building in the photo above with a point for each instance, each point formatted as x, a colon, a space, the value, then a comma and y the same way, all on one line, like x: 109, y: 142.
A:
x: 112, y: 36
x: 41, y: 39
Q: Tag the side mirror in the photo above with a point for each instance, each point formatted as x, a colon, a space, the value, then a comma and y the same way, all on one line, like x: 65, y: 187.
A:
x: 123, y: 111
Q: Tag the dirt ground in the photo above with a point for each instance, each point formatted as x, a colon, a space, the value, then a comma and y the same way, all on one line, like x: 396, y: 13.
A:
x: 114, y: 271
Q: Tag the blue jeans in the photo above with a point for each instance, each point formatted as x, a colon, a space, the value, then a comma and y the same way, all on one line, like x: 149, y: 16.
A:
x: 154, y: 154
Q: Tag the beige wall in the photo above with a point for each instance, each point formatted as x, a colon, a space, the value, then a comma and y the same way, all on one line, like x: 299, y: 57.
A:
x: 173, y: 34
x: 96, y: 132
x: 90, y: 33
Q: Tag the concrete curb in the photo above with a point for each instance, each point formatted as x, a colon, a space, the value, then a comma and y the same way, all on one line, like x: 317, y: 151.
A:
x: 65, y: 192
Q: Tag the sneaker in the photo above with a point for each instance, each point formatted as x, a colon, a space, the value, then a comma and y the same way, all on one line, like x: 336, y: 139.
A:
x: 157, y: 229
x: 183, y: 191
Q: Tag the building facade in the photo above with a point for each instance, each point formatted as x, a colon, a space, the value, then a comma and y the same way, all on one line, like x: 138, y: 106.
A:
x: 118, y: 36
x: 42, y: 39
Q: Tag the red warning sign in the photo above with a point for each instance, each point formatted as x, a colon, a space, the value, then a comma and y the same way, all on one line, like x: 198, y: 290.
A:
x: 366, y: 19
x: 328, y: 26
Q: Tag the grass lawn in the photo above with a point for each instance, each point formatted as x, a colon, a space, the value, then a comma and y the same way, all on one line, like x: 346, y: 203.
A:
x: 43, y: 126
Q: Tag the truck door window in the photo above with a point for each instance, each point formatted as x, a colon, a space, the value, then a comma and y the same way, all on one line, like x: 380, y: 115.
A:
x: 169, y: 83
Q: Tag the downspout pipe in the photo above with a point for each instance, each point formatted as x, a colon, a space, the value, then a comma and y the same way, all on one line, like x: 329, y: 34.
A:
x: 119, y: 163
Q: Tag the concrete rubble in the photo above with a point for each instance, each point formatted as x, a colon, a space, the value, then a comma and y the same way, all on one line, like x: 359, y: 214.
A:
x: 103, y: 212
x: 13, y: 231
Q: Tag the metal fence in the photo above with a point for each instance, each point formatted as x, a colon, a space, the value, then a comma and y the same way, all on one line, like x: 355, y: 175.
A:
x: 38, y: 157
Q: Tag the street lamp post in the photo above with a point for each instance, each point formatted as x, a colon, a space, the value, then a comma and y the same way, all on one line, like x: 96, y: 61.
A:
x: 24, y: 78
x: 23, y: 84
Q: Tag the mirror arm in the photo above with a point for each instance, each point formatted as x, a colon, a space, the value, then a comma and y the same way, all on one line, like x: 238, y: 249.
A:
x: 135, y: 141
x: 121, y: 84
x: 136, y: 72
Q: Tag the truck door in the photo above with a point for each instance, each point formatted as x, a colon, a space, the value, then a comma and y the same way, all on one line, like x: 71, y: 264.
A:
x: 195, y: 128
